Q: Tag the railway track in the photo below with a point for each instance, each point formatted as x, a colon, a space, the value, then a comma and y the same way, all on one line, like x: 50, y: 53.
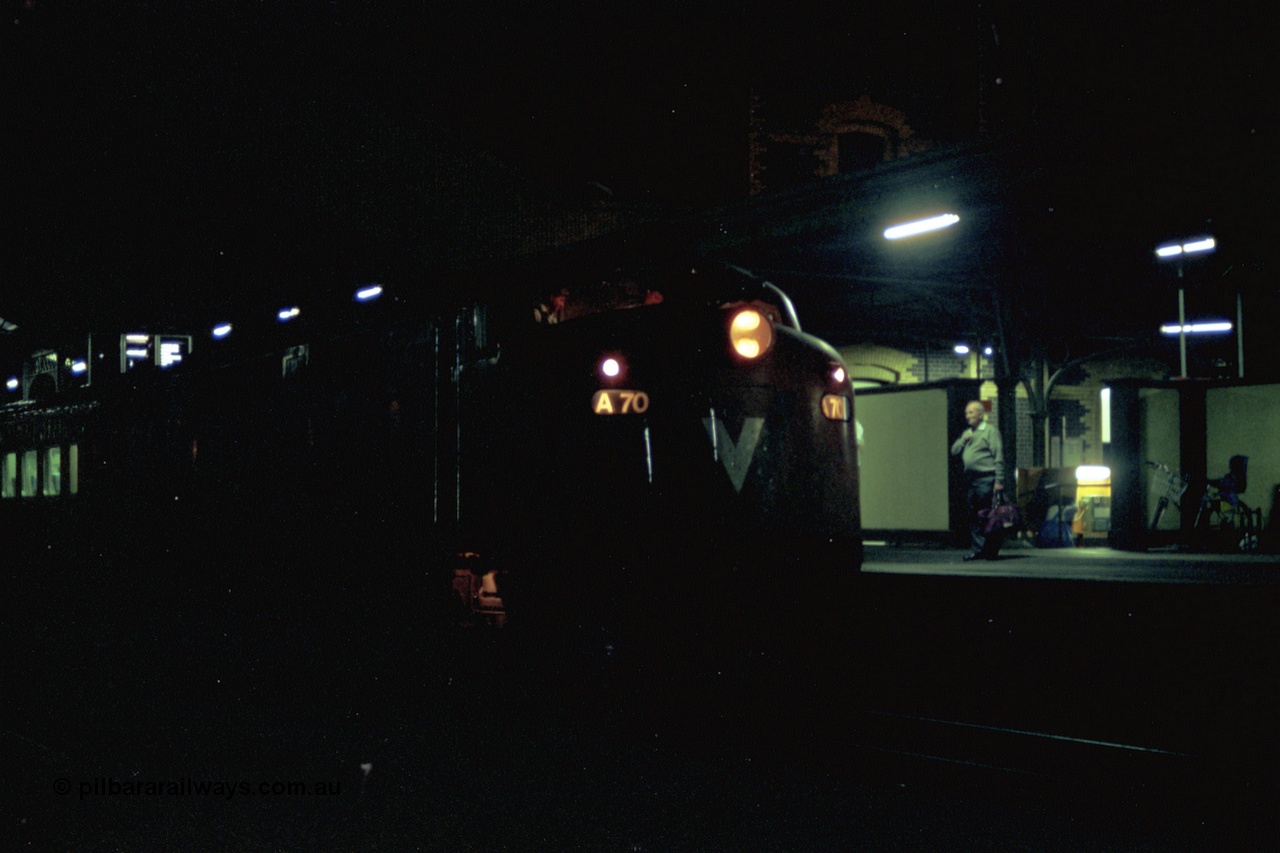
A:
x: 1023, y: 751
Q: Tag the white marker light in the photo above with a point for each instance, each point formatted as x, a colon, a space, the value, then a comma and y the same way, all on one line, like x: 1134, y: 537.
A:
x: 365, y: 294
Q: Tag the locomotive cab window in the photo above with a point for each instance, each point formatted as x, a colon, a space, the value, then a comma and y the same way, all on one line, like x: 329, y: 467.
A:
x: 567, y: 298
x: 582, y: 299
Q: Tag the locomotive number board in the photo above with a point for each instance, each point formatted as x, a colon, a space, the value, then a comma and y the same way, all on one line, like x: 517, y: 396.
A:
x: 835, y: 407
x: 617, y: 401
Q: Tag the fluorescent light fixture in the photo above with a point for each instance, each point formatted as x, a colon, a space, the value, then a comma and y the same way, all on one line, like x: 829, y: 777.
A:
x: 1106, y: 415
x: 12, y: 384
x: 1172, y: 250
x: 920, y: 226
x: 137, y: 338
x: 222, y: 330
x: 961, y: 349
x: 287, y: 314
x: 372, y: 291
x: 137, y: 353
x: 1196, y: 328
x: 79, y: 366
x: 1093, y: 475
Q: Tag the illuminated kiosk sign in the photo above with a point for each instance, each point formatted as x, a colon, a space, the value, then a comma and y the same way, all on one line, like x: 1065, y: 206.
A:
x: 163, y: 351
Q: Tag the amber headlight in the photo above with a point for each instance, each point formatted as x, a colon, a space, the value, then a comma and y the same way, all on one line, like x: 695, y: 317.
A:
x: 750, y: 333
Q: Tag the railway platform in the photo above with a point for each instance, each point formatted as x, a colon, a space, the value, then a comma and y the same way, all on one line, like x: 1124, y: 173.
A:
x: 1096, y: 563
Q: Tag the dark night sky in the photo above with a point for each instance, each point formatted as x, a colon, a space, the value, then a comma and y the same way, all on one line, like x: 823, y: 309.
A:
x: 159, y: 151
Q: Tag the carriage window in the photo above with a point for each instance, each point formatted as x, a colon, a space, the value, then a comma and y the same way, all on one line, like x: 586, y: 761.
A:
x: 29, y: 469
x: 294, y: 360
x: 52, y: 471
x: 73, y: 469
x: 9, y: 472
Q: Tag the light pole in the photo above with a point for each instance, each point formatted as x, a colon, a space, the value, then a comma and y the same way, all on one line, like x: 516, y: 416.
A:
x: 1180, y: 251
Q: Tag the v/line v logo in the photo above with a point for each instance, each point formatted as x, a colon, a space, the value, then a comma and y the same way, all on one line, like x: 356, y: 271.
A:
x: 736, y: 456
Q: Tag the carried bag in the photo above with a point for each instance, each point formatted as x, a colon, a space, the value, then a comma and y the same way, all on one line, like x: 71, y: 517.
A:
x: 1003, y: 515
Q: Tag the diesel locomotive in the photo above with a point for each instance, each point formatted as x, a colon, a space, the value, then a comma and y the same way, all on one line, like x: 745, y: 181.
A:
x: 575, y: 444
x: 652, y: 432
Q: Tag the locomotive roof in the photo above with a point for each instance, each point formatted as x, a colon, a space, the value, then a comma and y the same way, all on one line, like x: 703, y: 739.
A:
x: 587, y: 292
